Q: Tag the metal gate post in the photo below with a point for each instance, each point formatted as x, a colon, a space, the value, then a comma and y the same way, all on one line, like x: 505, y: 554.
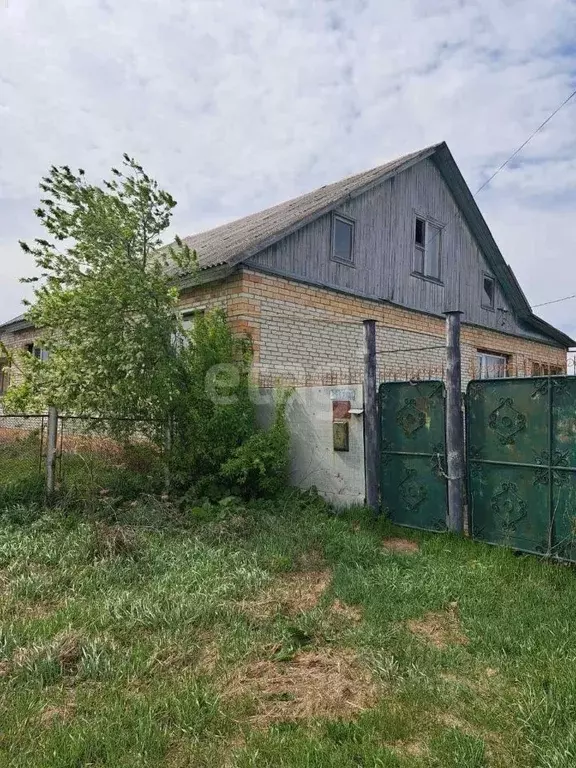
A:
x: 454, y: 426
x: 371, y: 446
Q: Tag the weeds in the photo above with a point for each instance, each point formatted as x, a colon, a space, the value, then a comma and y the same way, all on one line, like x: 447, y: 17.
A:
x: 275, y: 633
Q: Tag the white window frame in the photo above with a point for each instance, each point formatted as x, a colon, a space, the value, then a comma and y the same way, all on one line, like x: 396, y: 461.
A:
x: 420, y: 250
x: 4, y: 376
x: 188, y: 316
x: 489, y: 364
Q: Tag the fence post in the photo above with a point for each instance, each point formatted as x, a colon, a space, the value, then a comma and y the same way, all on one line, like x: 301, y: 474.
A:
x: 167, y: 448
x: 371, y: 447
x: 51, y: 442
x: 454, y: 425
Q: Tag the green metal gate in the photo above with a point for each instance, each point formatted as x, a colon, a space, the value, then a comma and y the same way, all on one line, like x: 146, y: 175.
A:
x: 413, y: 439
x: 522, y: 463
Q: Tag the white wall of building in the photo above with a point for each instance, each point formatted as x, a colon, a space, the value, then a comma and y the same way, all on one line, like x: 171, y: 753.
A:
x: 338, y: 475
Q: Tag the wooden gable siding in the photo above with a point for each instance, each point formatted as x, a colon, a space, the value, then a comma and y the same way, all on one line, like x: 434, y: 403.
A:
x: 384, y: 247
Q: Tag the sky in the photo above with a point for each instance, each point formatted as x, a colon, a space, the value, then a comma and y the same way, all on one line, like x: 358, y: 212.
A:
x: 235, y: 105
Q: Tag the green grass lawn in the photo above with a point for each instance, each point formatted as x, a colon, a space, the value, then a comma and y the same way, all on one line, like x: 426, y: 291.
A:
x: 278, y: 635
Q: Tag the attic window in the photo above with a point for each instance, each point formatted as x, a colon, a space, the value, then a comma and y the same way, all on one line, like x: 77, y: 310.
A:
x: 342, y: 239
x: 488, y: 292
x: 427, y: 242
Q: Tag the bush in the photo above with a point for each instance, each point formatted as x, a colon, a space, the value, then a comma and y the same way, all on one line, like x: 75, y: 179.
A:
x: 207, y: 429
x: 259, y: 467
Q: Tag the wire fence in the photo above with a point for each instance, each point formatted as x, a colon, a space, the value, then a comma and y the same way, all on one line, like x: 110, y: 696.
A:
x: 96, y: 457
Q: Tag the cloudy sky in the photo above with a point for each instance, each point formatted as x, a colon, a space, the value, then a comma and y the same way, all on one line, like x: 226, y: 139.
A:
x: 234, y: 105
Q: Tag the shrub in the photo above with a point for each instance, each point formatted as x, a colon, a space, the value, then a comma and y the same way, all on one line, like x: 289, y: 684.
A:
x: 215, y: 413
x: 259, y: 467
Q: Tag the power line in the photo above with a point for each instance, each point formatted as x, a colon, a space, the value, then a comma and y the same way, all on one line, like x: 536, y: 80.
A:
x: 554, y: 301
x: 528, y: 140
x: 409, y: 349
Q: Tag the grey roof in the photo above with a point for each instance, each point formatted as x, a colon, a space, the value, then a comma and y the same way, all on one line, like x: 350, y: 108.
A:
x: 239, y: 239
x: 16, y: 324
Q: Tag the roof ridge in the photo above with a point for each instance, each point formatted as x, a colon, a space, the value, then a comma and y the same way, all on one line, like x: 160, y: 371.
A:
x: 240, y: 238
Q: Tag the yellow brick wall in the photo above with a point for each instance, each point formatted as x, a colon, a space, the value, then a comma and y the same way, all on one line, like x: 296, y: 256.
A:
x: 313, y: 336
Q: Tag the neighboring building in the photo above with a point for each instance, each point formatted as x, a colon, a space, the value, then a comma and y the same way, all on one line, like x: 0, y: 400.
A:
x: 401, y: 244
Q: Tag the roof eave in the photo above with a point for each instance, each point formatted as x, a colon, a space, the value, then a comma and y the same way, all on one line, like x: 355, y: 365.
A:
x: 453, y: 177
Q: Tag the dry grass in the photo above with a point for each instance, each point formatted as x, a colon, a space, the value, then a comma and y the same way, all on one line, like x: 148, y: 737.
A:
x: 320, y: 684
x: 347, y: 612
x: 63, y: 711
x: 439, y: 629
x: 65, y: 648
x: 113, y: 541
x: 291, y: 594
x: 404, y: 546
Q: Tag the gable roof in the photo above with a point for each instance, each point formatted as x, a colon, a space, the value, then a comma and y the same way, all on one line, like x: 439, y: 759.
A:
x: 242, y: 238
x: 238, y: 240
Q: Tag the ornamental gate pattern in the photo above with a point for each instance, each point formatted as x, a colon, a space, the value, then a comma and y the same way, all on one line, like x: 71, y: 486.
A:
x: 413, y: 479
x: 521, y: 450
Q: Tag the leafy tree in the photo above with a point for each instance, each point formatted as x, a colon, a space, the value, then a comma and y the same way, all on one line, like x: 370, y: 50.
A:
x: 106, y: 301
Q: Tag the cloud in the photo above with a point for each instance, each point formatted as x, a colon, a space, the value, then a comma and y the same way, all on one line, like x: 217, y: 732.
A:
x: 235, y: 106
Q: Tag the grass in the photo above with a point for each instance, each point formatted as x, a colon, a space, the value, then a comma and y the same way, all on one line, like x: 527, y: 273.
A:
x: 277, y: 635
x: 88, y: 465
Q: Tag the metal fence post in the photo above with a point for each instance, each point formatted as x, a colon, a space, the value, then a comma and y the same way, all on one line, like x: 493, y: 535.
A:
x: 454, y: 425
x: 371, y: 447
x: 51, y: 442
x: 167, y: 448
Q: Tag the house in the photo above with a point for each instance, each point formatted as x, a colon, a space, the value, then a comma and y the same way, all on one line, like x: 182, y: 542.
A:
x: 401, y: 244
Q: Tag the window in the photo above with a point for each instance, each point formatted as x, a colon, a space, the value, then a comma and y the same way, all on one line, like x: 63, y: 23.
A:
x: 188, y: 320
x: 492, y: 365
x: 488, y: 292
x: 38, y: 352
x: 427, y: 242
x: 4, y: 376
x: 342, y: 240
x: 546, y: 369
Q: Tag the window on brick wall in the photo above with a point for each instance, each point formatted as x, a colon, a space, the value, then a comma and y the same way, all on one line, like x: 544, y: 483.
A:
x: 492, y: 365
x: 189, y: 317
x: 38, y: 352
x: 547, y: 369
x: 4, y: 376
x: 342, y: 239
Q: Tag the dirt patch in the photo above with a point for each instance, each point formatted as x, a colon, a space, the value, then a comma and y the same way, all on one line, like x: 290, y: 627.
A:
x: 313, y: 560
x: 63, y: 712
x: 291, y: 594
x: 440, y: 629
x: 404, y: 546
x: 348, y: 612
x: 209, y: 658
x: 325, y: 683
x: 65, y: 648
x: 410, y: 748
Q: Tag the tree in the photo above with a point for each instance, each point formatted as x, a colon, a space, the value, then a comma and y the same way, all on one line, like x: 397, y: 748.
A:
x: 106, y: 303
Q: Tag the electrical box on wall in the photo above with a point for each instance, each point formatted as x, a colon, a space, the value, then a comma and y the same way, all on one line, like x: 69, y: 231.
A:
x: 341, y: 425
x: 341, y: 435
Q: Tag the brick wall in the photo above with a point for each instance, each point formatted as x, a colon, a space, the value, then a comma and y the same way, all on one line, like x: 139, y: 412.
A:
x: 313, y: 336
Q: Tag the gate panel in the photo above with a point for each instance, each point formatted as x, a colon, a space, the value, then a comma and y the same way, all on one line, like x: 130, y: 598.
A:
x: 413, y: 440
x: 521, y: 445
